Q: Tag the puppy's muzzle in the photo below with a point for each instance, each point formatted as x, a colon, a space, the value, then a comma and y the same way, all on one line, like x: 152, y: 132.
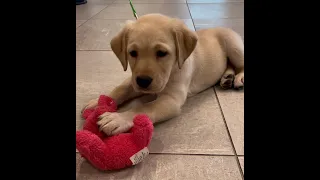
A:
x: 144, y: 81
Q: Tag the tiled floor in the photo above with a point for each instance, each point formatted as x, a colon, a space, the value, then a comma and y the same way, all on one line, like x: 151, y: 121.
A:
x: 206, y: 141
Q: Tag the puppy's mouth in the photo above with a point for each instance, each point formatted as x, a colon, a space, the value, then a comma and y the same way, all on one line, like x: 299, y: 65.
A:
x: 147, y: 90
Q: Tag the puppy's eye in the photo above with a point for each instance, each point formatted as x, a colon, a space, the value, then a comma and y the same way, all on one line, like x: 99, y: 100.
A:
x: 161, y: 54
x: 133, y: 54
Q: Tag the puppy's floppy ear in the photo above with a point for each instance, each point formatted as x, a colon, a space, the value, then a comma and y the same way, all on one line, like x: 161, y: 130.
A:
x: 119, y: 45
x: 185, y: 41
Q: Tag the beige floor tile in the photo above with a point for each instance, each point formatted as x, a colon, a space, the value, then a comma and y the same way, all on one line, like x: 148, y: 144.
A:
x: 79, y: 121
x: 79, y: 161
x: 232, y: 104
x: 150, y: 1
x: 213, y: 1
x: 97, y: 72
x: 217, y: 10
x: 237, y: 24
x: 86, y: 11
x: 123, y: 11
x: 241, y: 160
x: 96, y: 34
x: 165, y: 167
x: 79, y: 22
x: 199, y: 129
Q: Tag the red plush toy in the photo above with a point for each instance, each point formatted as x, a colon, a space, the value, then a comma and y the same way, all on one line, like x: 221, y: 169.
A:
x: 114, y: 152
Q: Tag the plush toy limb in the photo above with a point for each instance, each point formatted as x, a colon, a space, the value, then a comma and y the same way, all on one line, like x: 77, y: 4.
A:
x: 100, y: 154
x: 86, y: 113
x: 90, y: 125
x: 142, y: 130
x: 105, y: 104
x: 92, y: 148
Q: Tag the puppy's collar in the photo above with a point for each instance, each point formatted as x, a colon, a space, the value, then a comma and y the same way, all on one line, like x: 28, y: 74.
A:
x: 133, y: 10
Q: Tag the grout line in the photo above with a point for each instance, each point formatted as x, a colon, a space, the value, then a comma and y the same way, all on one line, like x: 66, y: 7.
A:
x: 240, y: 164
x: 239, y: 167
x: 187, y: 154
x: 191, y: 17
x: 226, y: 125
x: 94, y: 15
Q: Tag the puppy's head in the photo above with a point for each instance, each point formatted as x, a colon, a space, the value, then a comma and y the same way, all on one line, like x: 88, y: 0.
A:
x: 152, y: 46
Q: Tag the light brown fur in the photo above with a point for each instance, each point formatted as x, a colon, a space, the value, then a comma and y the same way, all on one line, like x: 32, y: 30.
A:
x: 194, y: 62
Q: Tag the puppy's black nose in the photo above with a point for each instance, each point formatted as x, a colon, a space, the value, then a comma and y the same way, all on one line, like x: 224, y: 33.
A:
x: 144, y: 81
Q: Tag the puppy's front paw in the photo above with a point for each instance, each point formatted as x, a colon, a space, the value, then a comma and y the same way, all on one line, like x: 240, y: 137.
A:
x: 115, y: 123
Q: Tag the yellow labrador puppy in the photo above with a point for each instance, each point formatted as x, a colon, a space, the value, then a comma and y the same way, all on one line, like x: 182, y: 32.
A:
x: 171, y: 61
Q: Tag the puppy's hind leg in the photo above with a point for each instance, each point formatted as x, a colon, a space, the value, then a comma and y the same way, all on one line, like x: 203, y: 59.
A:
x: 235, y: 52
x: 227, y: 79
